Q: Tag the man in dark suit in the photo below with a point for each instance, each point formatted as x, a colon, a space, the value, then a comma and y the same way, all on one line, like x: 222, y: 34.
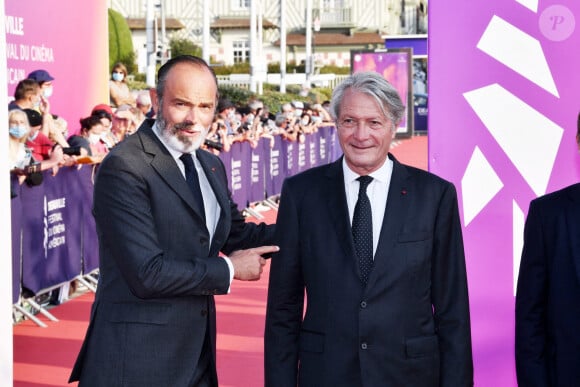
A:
x: 153, y: 319
x: 548, y: 293
x: 387, y: 306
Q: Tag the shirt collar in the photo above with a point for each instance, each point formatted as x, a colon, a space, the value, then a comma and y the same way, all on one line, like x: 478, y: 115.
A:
x: 383, y: 174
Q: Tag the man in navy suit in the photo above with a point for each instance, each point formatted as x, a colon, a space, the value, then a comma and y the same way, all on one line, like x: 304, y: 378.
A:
x: 160, y: 233
x: 548, y: 293
x: 394, y: 312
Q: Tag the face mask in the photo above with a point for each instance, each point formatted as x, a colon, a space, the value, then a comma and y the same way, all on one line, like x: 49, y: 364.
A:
x: 304, y: 122
x: 298, y: 112
x: 36, y: 104
x: 316, y: 119
x: 47, y: 92
x: 18, y: 131
x: 94, y: 138
x: 118, y: 77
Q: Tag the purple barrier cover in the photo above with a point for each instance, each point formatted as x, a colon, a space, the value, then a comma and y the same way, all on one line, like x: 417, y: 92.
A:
x: 90, y: 242
x: 300, y: 156
x: 16, y: 225
x: 240, y: 173
x: 51, y: 233
x: 275, y: 168
x: 257, y: 165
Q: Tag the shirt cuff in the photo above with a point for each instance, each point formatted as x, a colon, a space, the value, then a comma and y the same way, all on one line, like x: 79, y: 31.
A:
x: 231, y: 268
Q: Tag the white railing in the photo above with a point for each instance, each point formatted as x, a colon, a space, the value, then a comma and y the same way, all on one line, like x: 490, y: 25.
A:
x: 320, y: 80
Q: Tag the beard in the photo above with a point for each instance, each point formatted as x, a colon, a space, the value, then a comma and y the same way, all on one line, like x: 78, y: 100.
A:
x: 175, y: 138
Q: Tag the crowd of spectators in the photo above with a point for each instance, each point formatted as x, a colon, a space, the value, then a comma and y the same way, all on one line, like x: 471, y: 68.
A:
x: 39, y: 138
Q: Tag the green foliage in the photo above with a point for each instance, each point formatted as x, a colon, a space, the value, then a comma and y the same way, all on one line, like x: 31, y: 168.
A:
x: 120, y: 42
x: 271, y: 97
x: 184, y: 47
x: 238, y: 68
x: 335, y: 70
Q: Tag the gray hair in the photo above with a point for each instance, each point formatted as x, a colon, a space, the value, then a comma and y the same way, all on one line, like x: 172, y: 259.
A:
x: 374, y: 85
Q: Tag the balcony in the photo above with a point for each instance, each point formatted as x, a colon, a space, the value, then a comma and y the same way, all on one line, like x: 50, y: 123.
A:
x: 334, y: 17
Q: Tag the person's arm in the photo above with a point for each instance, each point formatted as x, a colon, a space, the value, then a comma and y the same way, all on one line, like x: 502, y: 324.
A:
x: 285, y: 299
x: 449, y: 294
x: 531, y: 306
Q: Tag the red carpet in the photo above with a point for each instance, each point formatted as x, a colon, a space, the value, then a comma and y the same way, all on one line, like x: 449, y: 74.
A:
x: 43, y: 357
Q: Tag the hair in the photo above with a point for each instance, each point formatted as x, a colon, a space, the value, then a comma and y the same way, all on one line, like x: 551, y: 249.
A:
x: 166, y: 68
x: 122, y: 67
x: 143, y: 98
x: 88, y: 122
x: 25, y: 88
x: 374, y: 85
x: 99, y: 113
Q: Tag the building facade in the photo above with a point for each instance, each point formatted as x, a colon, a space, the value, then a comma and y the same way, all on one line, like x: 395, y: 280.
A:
x: 339, y: 26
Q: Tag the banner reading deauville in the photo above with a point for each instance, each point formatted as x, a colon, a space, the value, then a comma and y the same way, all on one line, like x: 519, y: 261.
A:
x: 70, y: 40
x: 504, y: 99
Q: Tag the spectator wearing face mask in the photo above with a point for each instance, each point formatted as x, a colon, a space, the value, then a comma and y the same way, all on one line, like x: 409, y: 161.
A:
x: 119, y: 91
x: 20, y: 156
x: 89, y: 138
x: 54, y: 126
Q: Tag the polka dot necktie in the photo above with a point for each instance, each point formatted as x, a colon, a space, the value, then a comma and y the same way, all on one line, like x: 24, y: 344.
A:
x: 192, y: 179
x: 362, y: 229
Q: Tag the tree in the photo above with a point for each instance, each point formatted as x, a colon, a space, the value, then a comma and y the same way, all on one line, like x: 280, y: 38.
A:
x: 184, y: 47
x: 120, y: 42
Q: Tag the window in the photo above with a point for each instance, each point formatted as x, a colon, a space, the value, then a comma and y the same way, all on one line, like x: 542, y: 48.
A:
x: 241, y: 51
x: 241, y: 4
x: 329, y: 5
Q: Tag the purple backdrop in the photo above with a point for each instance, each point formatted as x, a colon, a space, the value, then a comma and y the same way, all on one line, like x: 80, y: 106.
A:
x: 504, y: 92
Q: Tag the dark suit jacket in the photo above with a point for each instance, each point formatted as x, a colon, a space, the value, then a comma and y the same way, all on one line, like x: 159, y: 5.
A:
x: 548, y: 293
x: 158, y: 269
x: 408, y: 327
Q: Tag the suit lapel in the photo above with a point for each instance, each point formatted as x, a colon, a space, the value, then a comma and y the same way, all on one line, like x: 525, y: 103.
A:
x: 573, y: 223
x: 395, y: 212
x: 164, y: 164
x: 338, y: 209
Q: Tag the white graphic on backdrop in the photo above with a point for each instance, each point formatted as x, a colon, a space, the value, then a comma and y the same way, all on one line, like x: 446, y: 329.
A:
x: 510, y: 120
x: 528, y: 137
x: 479, y: 185
x: 518, y: 51
x: 531, y: 4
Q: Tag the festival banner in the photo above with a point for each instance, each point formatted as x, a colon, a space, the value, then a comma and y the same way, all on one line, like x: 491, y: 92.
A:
x: 257, y: 171
x: 71, y: 44
x: 51, y: 231
x: 503, y: 111
x: 16, y: 226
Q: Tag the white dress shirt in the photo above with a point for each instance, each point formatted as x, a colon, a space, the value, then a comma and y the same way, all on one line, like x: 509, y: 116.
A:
x: 377, y: 191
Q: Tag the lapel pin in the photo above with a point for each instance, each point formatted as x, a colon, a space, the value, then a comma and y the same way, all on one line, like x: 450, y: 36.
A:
x: 404, y: 192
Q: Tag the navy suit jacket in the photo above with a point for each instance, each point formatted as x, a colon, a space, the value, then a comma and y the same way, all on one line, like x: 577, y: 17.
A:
x: 158, y: 268
x: 409, y: 326
x: 548, y: 293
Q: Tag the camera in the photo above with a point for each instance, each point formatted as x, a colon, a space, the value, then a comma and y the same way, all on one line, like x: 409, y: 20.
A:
x: 72, y: 151
x: 214, y: 144
x: 34, y: 175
